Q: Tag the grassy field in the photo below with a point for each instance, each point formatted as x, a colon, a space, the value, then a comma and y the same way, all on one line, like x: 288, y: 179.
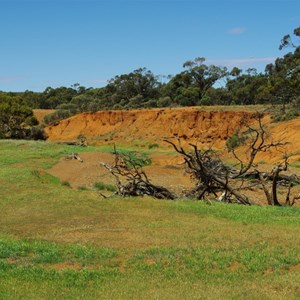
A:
x: 63, y: 243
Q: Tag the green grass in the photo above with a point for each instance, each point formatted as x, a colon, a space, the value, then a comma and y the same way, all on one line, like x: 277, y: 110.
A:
x: 295, y: 165
x: 104, y: 186
x: 62, y: 243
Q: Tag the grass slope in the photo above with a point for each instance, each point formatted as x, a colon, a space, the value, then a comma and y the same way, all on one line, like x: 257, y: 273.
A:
x: 61, y: 243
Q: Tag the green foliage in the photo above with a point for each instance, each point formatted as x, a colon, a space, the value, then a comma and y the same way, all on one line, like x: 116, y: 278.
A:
x: 287, y: 112
x: 235, y: 140
x: 140, y: 83
x: 82, y: 188
x: 66, y: 183
x: 57, y: 116
x: 152, y: 146
x: 17, y: 120
x: 104, y: 186
x: 134, y: 158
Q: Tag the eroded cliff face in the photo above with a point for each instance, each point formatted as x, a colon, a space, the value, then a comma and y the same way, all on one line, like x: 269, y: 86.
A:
x: 151, y: 126
x: 194, y: 125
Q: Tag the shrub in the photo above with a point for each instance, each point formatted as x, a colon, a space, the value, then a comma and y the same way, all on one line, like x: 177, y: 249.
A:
x: 35, y: 133
x: 134, y: 158
x: 289, y: 112
x: 152, y: 146
x: 164, y: 102
x: 66, y: 183
x: 233, y: 142
x: 104, y: 186
x: 57, y: 116
x: 82, y: 188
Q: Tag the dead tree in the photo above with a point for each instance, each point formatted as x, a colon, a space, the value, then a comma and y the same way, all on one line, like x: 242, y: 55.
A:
x: 256, y: 138
x: 131, y: 179
x: 257, y: 141
x: 276, y: 178
x: 211, y: 175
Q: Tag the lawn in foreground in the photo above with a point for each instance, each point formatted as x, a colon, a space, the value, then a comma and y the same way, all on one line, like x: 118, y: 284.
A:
x: 57, y: 242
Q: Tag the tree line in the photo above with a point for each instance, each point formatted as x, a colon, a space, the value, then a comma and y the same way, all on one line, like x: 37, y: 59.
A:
x: 195, y: 85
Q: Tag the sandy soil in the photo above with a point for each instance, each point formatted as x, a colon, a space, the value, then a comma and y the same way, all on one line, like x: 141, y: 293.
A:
x: 165, y: 170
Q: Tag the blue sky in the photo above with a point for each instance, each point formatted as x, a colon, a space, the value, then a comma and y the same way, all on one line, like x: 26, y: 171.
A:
x: 59, y: 43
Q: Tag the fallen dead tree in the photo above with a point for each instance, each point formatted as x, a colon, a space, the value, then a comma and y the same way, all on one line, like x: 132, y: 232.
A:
x: 214, y: 180
x: 212, y: 176
x: 231, y: 185
x: 131, y: 179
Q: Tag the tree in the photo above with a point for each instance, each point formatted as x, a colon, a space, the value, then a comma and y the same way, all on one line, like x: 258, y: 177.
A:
x: 140, y: 82
x: 284, y: 74
x: 230, y: 184
x: 13, y: 116
x: 203, y: 76
x: 190, y: 87
x: 51, y: 98
x: 247, y: 88
x: 287, y: 40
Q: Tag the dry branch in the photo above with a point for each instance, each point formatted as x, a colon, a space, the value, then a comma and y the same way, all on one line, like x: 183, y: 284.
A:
x: 211, y: 174
x: 74, y: 156
x: 136, y: 182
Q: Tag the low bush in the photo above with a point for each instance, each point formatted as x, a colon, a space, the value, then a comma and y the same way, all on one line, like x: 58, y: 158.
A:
x: 104, y: 186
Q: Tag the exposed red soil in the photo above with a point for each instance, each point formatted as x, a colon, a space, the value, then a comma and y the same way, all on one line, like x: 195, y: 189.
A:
x: 150, y: 126
x: 192, y: 124
x: 41, y: 113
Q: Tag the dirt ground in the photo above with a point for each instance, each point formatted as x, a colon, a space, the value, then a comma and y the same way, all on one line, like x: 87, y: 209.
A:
x: 165, y: 170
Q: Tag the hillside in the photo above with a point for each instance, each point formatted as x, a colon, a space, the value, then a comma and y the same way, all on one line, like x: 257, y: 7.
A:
x: 141, y: 128
x: 150, y: 126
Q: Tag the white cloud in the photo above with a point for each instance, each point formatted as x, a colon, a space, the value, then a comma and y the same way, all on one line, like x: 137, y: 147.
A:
x: 239, y: 62
x: 99, y: 81
x: 10, y: 78
x: 236, y: 30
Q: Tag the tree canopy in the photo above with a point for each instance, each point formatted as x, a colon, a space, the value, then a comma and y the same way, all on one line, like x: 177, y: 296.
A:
x: 14, y: 116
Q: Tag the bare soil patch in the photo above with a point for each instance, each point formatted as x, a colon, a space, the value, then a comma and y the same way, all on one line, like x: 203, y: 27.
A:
x: 165, y: 170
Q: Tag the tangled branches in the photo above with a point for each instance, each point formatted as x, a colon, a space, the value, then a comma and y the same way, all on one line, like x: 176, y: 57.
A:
x: 213, y: 178
x: 136, y: 182
x: 211, y: 175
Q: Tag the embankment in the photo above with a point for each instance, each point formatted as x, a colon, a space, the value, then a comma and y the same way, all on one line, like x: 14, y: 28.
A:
x: 151, y: 126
